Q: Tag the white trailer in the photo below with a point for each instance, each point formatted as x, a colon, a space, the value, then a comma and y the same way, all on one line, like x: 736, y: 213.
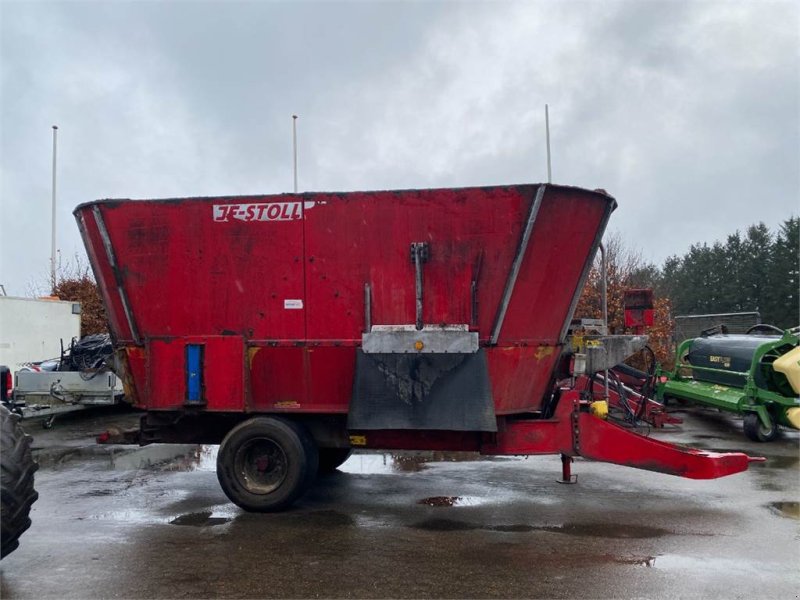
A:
x: 32, y: 329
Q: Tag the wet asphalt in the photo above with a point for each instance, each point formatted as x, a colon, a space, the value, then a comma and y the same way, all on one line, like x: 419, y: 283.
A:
x: 129, y: 522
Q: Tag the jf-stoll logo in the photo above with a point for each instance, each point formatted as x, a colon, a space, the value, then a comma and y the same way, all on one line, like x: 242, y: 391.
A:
x: 272, y: 211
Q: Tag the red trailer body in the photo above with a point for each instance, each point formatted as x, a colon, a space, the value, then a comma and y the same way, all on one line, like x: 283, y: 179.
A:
x: 279, y: 280
x: 265, y: 305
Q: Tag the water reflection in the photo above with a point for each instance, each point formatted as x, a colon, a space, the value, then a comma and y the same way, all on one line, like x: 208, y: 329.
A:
x: 786, y: 509
x: 406, y: 462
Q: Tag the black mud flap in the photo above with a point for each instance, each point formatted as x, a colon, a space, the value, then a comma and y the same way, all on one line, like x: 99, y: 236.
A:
x: 448, y: 392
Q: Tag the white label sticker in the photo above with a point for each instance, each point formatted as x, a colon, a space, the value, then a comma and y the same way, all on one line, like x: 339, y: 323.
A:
x: 292, y: 304
x: 272, y: 211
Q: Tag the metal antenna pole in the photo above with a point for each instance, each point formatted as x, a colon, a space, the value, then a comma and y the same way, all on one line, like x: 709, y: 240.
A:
x: 604, y: 287
x: 547, y: 131
x: 53, y: 218
x: 604, y: 304
x: 294, y: 149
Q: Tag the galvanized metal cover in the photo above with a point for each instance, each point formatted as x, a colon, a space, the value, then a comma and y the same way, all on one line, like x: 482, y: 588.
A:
x: 406, y: 339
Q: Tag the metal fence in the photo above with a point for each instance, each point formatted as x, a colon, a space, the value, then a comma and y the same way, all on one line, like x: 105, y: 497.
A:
x: 690, y: 326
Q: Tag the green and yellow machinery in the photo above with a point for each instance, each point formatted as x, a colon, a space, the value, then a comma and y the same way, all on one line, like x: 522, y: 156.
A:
x: 756, y: 375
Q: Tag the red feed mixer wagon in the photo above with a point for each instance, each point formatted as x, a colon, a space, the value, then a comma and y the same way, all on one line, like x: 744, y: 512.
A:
x: 292, y: 328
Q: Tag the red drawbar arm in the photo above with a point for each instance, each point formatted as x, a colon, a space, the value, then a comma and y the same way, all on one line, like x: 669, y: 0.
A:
x: 575, y: 432
x: 605, y: 441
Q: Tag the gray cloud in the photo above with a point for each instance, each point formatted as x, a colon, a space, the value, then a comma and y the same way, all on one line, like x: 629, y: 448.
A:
x: 686, y: 112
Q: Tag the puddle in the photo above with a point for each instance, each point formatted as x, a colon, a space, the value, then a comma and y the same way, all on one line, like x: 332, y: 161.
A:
x: 405, y: 462
x: 607, y: 530
x: 408, y: 463
x: 57, y: 458
x: 199, y: 458
x: 98, y: 493
x: 707, y: 565
x: 769, y: 486
x: 445, y: 525
x: 440, y: 501
x: 575, y: 529
x: 372, y: 464
x: 786, y: 509
x: 371, y: 522
x: 164, y: 457
x: 646, y: 561
x: 781, y: 462
x: 323, y: 518
x: 451, y: 501
x: 128, y: 516
x: 513, y: 528
x: 199, y: 519
x: 707, y: 447
x: 219, y: 516
x: 170, y: 457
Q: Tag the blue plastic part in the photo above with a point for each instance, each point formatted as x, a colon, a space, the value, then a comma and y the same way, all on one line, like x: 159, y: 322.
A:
x: 194, y: 374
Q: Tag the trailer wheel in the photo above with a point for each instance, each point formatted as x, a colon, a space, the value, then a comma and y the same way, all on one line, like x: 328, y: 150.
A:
x: 16, y: 481
x: 266, y: 463
x: 755, y: 430
x: 331, y: 459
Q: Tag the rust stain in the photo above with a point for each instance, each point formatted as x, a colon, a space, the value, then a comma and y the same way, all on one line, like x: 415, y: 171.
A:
x: 128, y: 384
x: 136, y: 351
x: 287, y: 404
x: 251, y: 354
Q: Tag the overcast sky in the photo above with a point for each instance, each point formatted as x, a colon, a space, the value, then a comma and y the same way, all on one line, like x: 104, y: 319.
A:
x: 687, y: 112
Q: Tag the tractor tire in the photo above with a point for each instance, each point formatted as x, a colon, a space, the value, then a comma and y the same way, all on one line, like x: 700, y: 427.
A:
x: 755, y: 430
x: 331, y: 459
x: 266, y: 463
x: 16, y: 481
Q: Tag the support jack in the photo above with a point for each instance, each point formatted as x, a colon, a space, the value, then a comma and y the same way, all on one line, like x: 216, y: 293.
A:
x: 566, y: 471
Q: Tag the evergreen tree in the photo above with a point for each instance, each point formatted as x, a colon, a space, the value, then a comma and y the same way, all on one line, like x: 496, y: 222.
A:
x: 757, y: 271
x: 782, y: 299
x: 754, y: 274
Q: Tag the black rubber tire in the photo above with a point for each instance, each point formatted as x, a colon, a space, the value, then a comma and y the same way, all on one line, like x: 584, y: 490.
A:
x: 331, y: 459
x: 289, y: 457
x: 16, y: 481
x: 755, y: 430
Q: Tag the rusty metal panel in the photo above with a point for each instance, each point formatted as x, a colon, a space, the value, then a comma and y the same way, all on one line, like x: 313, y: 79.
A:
x: 104, y: 275
x: 329, y: 378
x: 560, y: 243
x: 288, y: 274
x: 520, y: 376
x: 277, y: 379
x: 367, y: 235
x: 166, y: 384
x: 223, y: 371
x: 133, y: 360
x: 191, y: 270
x: 301, y: 379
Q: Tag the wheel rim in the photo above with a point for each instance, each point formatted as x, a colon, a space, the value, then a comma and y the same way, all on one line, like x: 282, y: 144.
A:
x: 764, y: 430
x: 260, y: 465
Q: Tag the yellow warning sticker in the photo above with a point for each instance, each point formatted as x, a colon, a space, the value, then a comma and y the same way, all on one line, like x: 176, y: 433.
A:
x: 287, y: 404
x: 544, y: 352
x: 358, y: 440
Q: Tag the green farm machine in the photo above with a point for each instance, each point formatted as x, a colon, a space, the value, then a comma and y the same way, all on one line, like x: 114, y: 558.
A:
x: 756, y: 375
